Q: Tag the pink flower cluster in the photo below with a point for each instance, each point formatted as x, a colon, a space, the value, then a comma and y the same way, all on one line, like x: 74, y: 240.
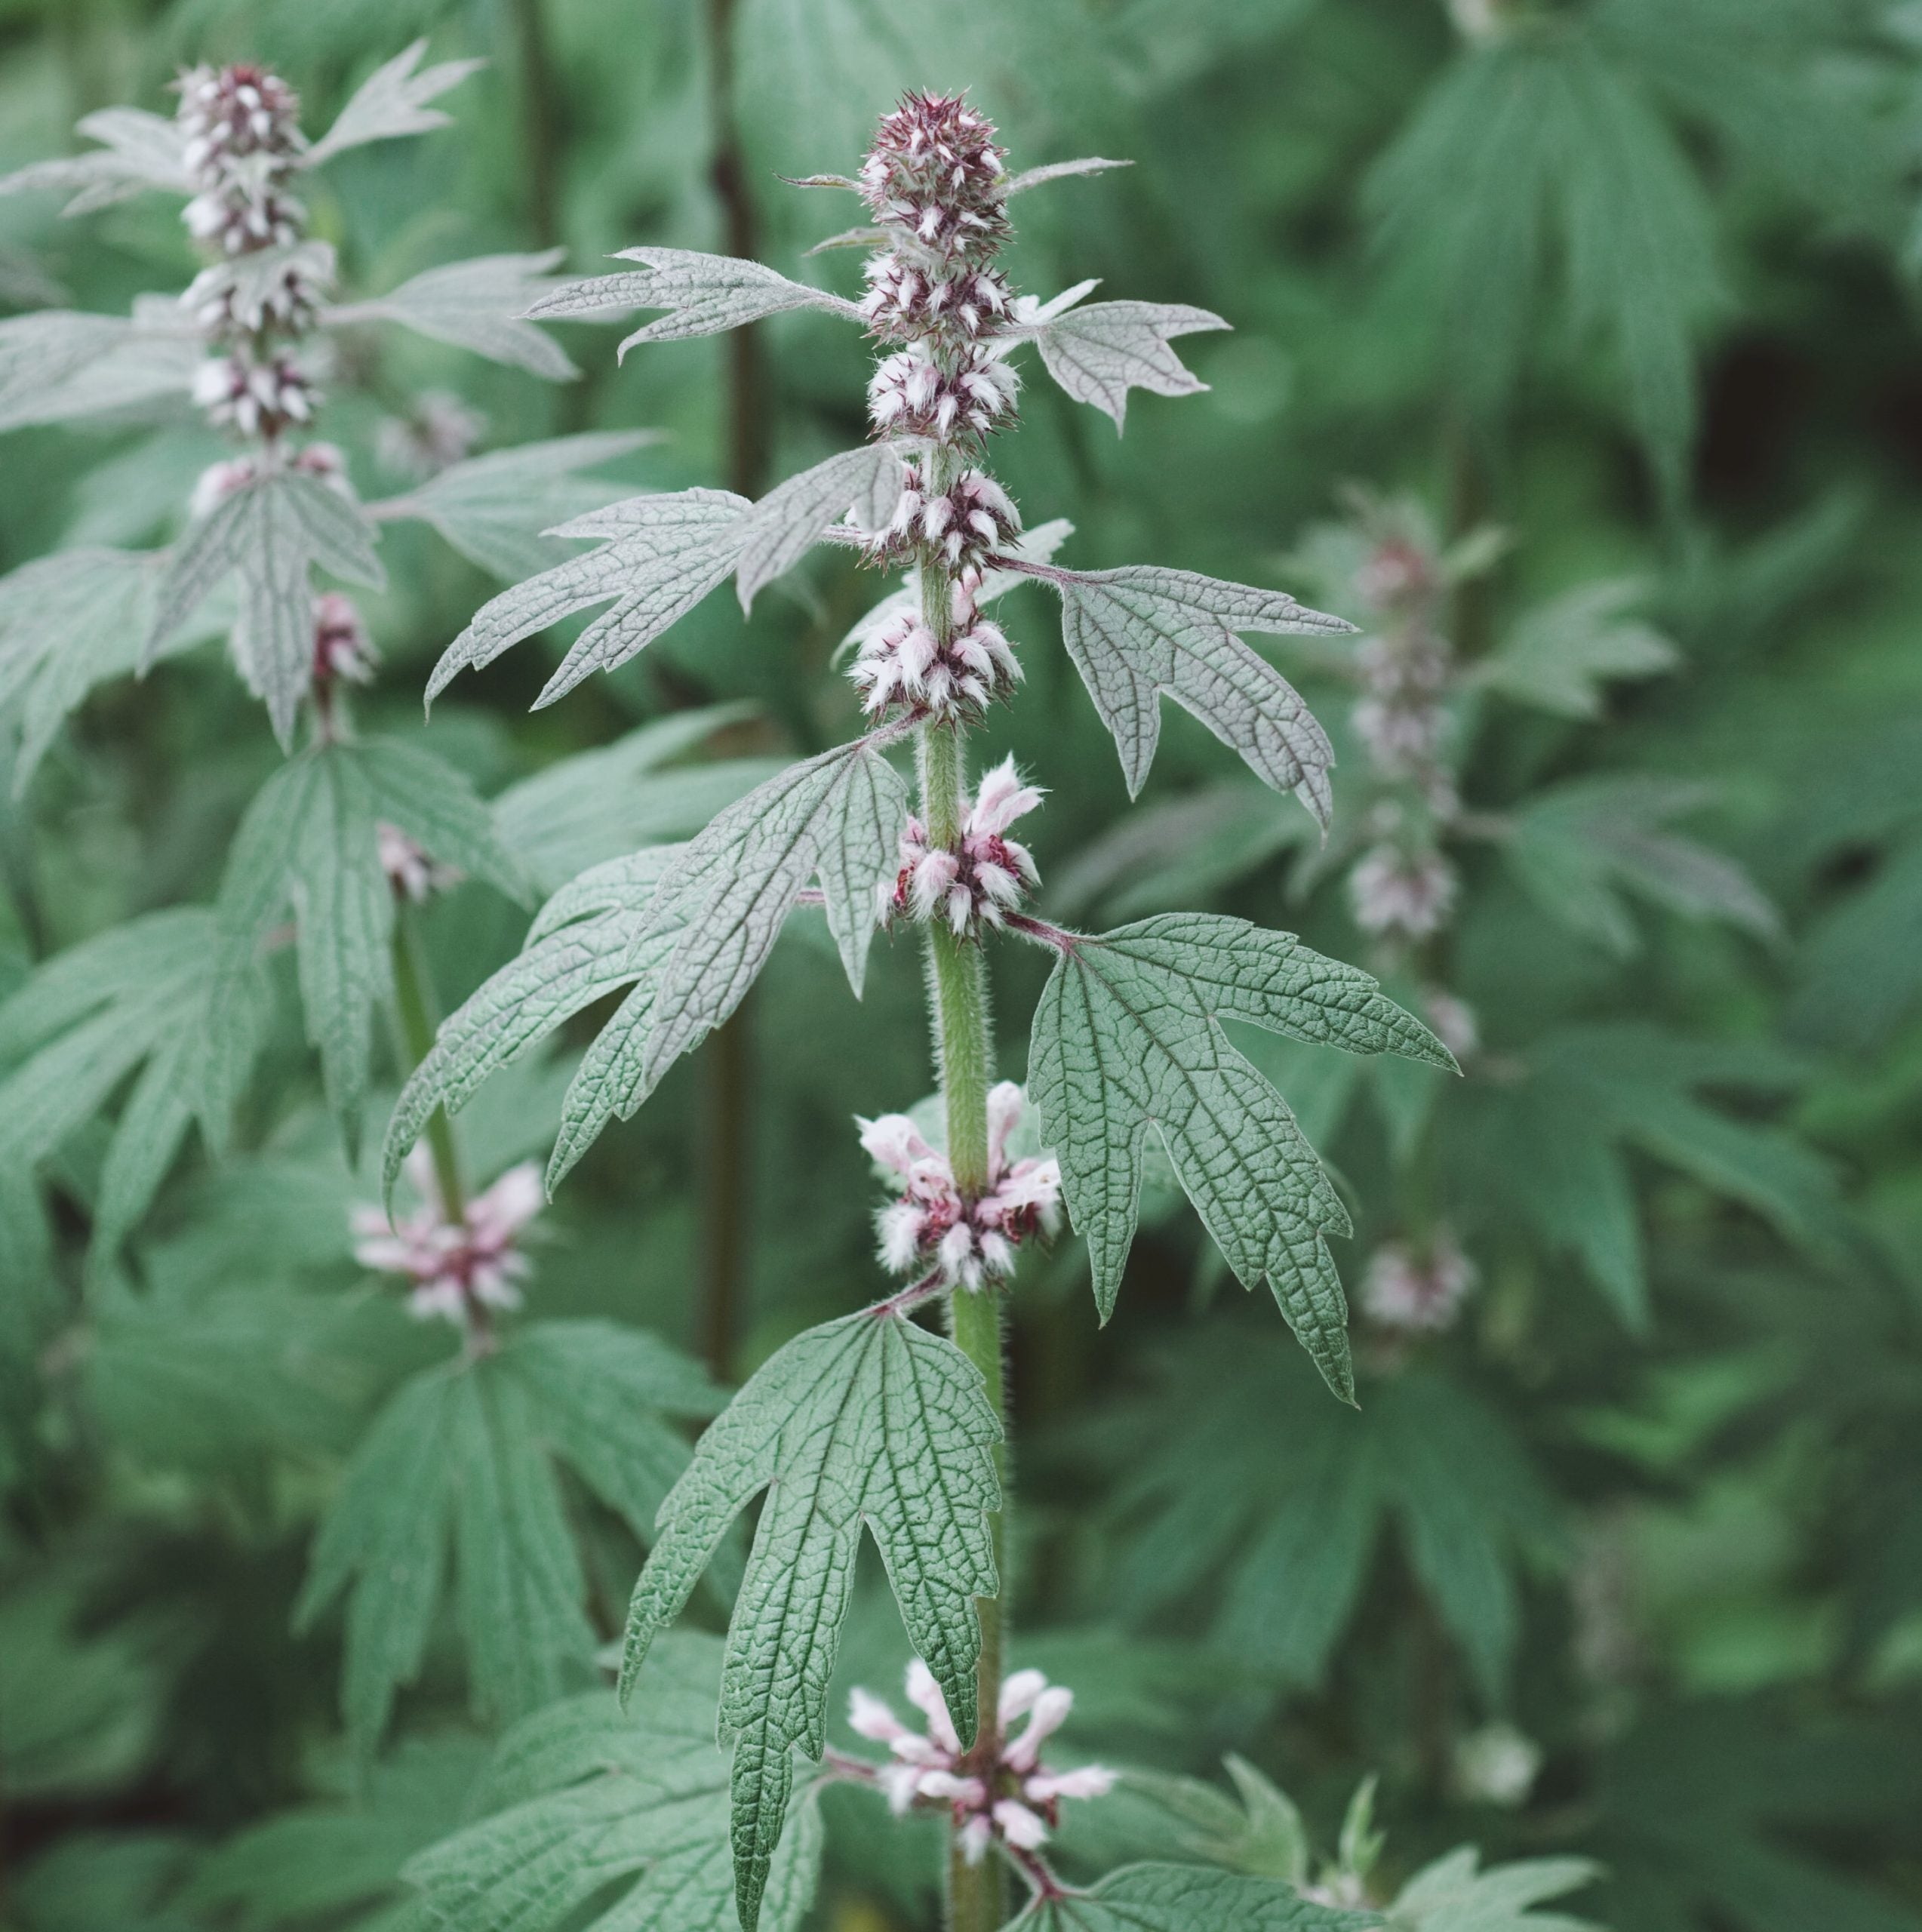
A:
x: 931, y: 1225
x: 260, y: 394
x: 343, y: 652
x: 962, y: 526
x: 912, y: 393
x: 243, y: 139
x: 1014, y: 1799
x: 411, y: 870
x: 219, y: 480
x: 1417, y: 1291
x: 439, y: 431
x: 460, y: 1268
x: 906, y: 663
x: 933, y: 179
x: 987, y: 877
x: 907, y: 299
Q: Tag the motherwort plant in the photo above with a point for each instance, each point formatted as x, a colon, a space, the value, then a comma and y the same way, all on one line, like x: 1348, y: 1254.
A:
x: 876, y: 1418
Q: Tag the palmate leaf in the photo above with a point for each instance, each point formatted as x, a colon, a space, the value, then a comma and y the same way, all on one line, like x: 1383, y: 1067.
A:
x: 138, y: 151
x: 1562, y: 655
x: 1278, y: 1532
x: 56, y: 363
x: 1556, y: 1147
x: 703, y: 295
x: 476, y: 305
x: 1545, y: 132
x: 493, y: 508
x: 269, y: 533
x: 1183, y: 1898
x: 1575, y: 848
x: 68, y: 623
x: 309, y: 846
x: 592, y: 1798
x: 779, y: 530
x: 462, y: 1456
x: 687, y: 927
x: 1127, y: 1035
x: 393, y: 101
x: 144, y: 994
x: 1097, y: 353
x: 1457, y: 1894
x: 660, y: 555
x: 868, y: 1419
x: 1137, y: 632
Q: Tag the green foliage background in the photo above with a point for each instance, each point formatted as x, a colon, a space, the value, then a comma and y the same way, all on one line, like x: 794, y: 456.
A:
x: 1630, y: 279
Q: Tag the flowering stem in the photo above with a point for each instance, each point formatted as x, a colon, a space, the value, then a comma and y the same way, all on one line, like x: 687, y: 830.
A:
x: 414, y: 1007
x: 957, y: 989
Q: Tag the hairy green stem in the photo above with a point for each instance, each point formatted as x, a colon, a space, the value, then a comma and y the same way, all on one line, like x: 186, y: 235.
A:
x: 414, y: 1010
x: 958, y: 995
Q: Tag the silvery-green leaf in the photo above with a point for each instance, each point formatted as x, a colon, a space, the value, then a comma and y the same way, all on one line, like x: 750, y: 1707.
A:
x: 248, y: 281
x: 1098, y: 353
x: 595, y: 1799
x: 493, y: 508
x: 145, y: 994
x: 1035, y: 546
x: 1057, y: 170
x: 139, y: 151
x: 662, y: 554
x: 57, y: 363
x: 583, y: 810
x: 476, y: 305
x: 309, y: 844
x: 838, y: 816
x: 1127, y: 1035
x: 393, y: 101
x: 67, y: 623
x: 701, y: 293
x: 269, y: 533
x: 1456, y: 1894
x: 1137, y: 632
x: 592, y: 938
x: 1186, y: 1898
x: 1562, y: 656
x: 780, y: 528
x: 868, y: 1419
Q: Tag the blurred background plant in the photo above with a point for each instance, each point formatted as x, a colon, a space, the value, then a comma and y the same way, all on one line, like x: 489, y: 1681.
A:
x: 1574, y: 360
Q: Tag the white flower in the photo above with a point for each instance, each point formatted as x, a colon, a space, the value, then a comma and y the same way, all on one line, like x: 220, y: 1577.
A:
x: 410, y: 871
x: 1004, y: 1793
x: 438, y: 431
x: 343, y: 650
x: 931, y: 1224
x: 1417, y: 1292
x: 458, y: 1268
x: 905, y: 663
x: 911, y: 394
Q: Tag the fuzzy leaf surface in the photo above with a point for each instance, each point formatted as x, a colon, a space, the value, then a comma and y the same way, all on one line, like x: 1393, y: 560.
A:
x: 478, y: 304
x: 591, y: 1797
x: 393, y: 101
x: 462, y: 1460
x: 593, y: 937
x: 56, y: 364
x: 660, y: 555
x: 309, y: 845
x: 838, y: 817
x: 1127, y: 1035
x: 1184, y: 1898
x: 138, y: 151
x: 493, y: 508
x: 869, y: 1419
x: 1135, y: 632
x: 269, y: 534
x: 1562, y: 656
x: 1098, y: 353
x: 702, y: 295
x: 780, y: 529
